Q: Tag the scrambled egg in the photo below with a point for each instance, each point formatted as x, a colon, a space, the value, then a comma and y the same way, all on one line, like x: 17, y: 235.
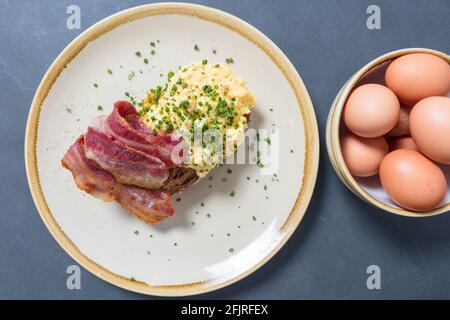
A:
x: 201, y: 97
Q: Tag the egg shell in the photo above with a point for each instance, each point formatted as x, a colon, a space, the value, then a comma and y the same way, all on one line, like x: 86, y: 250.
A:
x: 416, y: 76
x: 430, y: 128
x: 402, y: 143
x: 402, y: 126
x: 412, y: 181
x: 372, y: 110
x: 363, y: 155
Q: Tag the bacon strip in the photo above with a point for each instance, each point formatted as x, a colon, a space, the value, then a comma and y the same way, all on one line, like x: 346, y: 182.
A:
x: 151, y: 206
x: 128, y: 166
x: 123, y: 125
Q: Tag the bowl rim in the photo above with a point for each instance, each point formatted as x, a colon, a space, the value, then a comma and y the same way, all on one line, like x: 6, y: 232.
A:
x: 333, y: 135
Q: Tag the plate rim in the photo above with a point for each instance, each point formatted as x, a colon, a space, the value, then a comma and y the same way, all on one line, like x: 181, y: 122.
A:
x: 312, y: 145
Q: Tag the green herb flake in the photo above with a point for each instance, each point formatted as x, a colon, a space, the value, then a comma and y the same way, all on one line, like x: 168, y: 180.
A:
x: 229, y: 60
x: 259, y: 164
x: 153, y: 52
x: 109, y: 71
x: 138, y: 54
x: 232, y: 194
x: 95, y: 85
x: 204, y: 62
x: 152, y: 44
x: 231, y: 250
x: 136, y: 232
x: 99, y: 108
x: 69, y: 110
x: 196, y: 48
x: 145, y: 60
x: 253, y: 218
x: 131, y: 75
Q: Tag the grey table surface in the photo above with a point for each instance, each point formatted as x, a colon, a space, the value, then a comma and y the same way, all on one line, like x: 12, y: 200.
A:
x: 340, y: 235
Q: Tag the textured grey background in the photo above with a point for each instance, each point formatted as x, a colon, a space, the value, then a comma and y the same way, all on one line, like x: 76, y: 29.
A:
x: 340, y: 235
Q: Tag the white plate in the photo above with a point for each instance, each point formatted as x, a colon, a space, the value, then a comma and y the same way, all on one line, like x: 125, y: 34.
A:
x: 203, y: 247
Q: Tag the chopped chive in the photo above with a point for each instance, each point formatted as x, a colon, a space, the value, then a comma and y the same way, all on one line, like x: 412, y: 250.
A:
x: 259, y: 164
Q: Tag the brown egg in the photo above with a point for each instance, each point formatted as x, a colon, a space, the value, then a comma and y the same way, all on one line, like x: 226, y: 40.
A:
x: 402, y: 126
x: 416, y: 76
x: 372, y: 110
x: 402, y: 143
x: 412, y: 181
x: 362, y: 155
x: 430, y: 128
